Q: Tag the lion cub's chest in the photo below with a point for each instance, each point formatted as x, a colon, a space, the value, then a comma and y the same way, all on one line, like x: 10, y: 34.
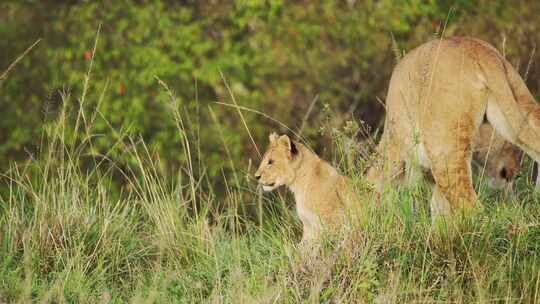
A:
x: 316, y: 196
x: 306, y: 215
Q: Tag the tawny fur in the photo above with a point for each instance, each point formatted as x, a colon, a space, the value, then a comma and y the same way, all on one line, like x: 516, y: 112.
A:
x: 497, y: 160
x: 438, y: 96
x: 324, y: 198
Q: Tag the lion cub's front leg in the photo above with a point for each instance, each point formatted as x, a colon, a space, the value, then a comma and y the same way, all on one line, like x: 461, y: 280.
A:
x: 309, y: 247
x: 308, y: 234
x: 537, y: 177
x: 311, y: 223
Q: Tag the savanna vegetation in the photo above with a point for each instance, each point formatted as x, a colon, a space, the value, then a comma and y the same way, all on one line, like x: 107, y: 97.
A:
x: 130, y: 131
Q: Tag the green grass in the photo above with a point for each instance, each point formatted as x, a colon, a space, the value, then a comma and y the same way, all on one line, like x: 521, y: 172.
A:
x: 64, y: 238
x: 67, y: 237
x: 67, y: 234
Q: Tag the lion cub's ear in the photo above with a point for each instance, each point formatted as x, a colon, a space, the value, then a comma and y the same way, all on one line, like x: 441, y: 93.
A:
x: 289, y: 144
x: 273, y: 137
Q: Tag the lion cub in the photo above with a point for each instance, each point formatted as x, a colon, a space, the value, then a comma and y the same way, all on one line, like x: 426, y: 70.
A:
x: 323, y: 197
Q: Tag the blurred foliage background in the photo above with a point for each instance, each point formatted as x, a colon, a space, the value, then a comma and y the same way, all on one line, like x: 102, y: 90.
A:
x: 279, y: 57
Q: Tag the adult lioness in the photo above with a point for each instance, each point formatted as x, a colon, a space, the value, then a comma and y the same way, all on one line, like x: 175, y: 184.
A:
x: 323, y: 196
x: 438, y: 96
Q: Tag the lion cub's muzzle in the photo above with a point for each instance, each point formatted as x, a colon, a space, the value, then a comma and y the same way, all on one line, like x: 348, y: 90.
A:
x: 267, y: 186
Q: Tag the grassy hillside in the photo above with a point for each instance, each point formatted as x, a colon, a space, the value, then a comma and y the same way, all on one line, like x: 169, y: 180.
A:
x: 127, y: 156
x: 66, y: 236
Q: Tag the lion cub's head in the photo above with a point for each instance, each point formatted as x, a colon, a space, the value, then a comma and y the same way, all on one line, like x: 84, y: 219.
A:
x: 278, y: 166
x: 500, y: 158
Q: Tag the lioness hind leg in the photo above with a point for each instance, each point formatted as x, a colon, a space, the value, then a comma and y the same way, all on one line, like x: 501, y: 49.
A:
x: 450, y: 152
x: 453, y: 183
x: 439, y: 205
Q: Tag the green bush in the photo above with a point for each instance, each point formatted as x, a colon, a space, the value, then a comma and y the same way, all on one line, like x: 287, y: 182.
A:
x: 277, y: 58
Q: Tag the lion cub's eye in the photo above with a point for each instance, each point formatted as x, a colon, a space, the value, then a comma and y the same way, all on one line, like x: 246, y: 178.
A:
x: 270, y: 161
